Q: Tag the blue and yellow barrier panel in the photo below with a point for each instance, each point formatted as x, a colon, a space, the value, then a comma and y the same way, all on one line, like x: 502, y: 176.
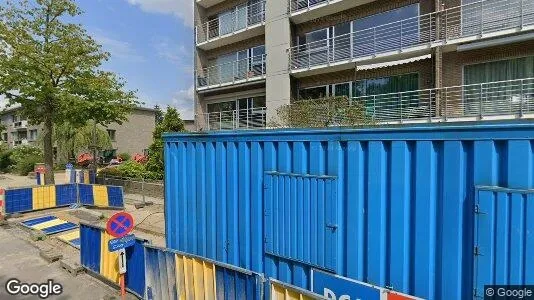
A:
x: 101, y: 195
x: 282, y: 291
x: 96, y: 258
x: 49, y: 224
x: 39, y: 197
x: 72, y: 238
x: 193, y: 277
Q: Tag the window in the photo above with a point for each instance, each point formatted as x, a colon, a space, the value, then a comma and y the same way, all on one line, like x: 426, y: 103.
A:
x: 240, y: 113
x: 496, y: 86
x: 4, y: 136
x: 491, y: 15
x: 369, y: 40
x: 112, y: 134
x: 33, y: 135
x: 314, y: 93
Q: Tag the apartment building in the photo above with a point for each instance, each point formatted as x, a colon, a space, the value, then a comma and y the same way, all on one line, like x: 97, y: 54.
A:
x: 404, y: 60
x: 132, y: 136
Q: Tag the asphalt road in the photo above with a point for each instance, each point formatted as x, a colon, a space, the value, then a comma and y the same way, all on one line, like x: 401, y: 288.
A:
x: 19, y: 259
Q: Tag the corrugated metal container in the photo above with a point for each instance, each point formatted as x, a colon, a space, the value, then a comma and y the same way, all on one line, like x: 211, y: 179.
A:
x: 175, y: 275
x: 388, y: 206
x: 96, y: 258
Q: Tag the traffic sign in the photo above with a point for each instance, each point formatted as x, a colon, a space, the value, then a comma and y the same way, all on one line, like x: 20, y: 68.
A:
x: 122, y: 261
x: 121, y: 243
x: 120, y: 224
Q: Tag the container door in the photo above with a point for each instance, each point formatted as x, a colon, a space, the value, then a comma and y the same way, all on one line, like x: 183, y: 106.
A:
x: 504, y: 238
x: 300, y: 218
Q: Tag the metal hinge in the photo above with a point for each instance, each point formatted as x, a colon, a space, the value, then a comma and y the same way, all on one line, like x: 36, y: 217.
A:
x: 477, y: 210
x: 476, y: 251
x: 331, y: 226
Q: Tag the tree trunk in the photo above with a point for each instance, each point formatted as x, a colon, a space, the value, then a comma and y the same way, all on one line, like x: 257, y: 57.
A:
x: 48, y: 150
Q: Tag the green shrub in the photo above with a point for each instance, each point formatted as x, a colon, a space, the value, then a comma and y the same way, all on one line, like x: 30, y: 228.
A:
x: 6, y: 162
x: 125, y: 156
x: 24, y: 159
x: 131, y: 169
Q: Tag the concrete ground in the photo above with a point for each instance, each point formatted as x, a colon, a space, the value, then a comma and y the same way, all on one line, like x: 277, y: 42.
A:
x: 20, y: 259
x: 12, y: 180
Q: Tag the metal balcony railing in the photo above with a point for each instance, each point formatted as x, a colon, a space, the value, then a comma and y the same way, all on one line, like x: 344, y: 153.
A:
x: 232, y: 72
x: 299, y: 5
x: 20, y: 124
x: 235, y: 119
x: 428, y: 30
x: 239, y: 18
x: 503, y: 98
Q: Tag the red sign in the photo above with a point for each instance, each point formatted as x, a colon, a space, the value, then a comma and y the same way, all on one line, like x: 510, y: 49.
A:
x: 120, y: 224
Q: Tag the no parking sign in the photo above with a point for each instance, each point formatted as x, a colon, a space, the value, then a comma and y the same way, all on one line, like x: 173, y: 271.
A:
x: 120, y: 224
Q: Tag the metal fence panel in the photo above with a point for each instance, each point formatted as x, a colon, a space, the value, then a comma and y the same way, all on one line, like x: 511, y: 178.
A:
x: 39, y: 197
x: 404, y: 202
x: 282, y: 291
x: 101, y: 195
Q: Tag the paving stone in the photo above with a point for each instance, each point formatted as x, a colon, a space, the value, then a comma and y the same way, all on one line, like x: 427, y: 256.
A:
x: 72, y: 267
x: 50, y: 255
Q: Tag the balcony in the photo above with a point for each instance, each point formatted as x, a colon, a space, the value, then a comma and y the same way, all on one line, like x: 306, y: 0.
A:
x: 484, y: 101
x: 208, y: 3
x: 20, y: 125
x: 251, y: 118
x: 414, y: 36
x: 307, y: 10
x: 233, y: 73
x: 242, y: 23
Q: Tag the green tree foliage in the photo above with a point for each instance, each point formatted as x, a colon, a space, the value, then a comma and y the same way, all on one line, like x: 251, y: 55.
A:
x: 324, y: 112
x: 131, y: 169
x: 73, y: 141
x: 51, y: 66
x: 125, y: 156
x: 24, y: 159
x: 172, y: 122
x: 159, y: 114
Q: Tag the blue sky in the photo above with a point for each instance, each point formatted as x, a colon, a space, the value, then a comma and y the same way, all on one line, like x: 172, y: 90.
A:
x: 151, y: 45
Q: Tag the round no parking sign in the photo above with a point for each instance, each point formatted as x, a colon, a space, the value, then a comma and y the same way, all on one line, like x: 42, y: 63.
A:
x: 120, y: 224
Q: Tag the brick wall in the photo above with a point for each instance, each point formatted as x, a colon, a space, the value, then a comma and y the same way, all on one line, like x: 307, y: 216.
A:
x: 426, y: 6
x: 424, y: 68
x: 453, y: 62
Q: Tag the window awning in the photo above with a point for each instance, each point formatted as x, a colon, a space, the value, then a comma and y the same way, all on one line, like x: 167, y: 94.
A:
x: 393, y: 63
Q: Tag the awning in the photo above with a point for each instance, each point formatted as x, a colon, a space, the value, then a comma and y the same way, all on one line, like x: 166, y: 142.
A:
x: 393, y: 63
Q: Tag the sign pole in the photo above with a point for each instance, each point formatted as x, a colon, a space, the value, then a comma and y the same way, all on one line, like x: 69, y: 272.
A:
x: 123, y: 289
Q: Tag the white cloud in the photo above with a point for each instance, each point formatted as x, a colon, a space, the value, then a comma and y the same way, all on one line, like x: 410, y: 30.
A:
x: 117, y: 48
x: 184, y: 101
x: 183, y: 9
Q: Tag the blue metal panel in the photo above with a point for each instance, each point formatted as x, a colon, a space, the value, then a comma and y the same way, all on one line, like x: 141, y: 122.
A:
x: 90, y: 247
x: 35, y: 221
x: 59, y: 228
x: 115, y: 196
x: 504, y: 237
x: 135, y: 262
x: 65, y: 194
x: 233, y: 284
x: 160, y: 274
x: 85, y: 192
x: 18, y: 200
x: 404, y: 199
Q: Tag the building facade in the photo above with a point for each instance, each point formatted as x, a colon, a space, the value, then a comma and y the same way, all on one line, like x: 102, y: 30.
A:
x: 404, y: 61
x: 132, y: 136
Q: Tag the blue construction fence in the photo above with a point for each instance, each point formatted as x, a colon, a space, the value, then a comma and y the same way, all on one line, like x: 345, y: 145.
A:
x: 26, y: 199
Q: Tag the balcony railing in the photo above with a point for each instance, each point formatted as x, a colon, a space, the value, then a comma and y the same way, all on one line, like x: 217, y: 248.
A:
x: 20, y: 124
x: 232, y: 72
x: 299, y: 5
x: 240, y: 18
x: 425, y: 31
x: 235, y: 119
x: 513, y: 98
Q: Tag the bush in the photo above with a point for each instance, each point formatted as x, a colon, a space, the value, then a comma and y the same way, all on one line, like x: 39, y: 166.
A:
x: 125, y: 156
x: 6, y: 162
x: 131, y: 169
x: 24, y: 159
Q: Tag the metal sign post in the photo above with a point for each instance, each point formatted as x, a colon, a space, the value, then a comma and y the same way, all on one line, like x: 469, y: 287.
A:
x: 122, y: 271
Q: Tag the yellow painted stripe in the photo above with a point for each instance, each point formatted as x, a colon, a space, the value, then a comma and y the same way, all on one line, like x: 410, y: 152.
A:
x: 279, y: 292
x: 195, y: 278
x: 86, y: 177
x: 109, y: 261
x: 47, y: 224
x: 100, y: 193
x: 44, y: 197
x: 70, y: 236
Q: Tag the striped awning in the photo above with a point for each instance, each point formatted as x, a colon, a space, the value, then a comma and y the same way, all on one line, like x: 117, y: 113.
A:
x: 393, y: 63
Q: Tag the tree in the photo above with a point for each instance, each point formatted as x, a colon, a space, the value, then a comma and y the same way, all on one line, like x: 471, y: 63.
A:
x: 52, y: 68
x: 172, y: 122
x: 72, y: 141
x: 159, y: 114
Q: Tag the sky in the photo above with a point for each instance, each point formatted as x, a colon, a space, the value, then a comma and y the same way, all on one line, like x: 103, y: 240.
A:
x: 151, y: 47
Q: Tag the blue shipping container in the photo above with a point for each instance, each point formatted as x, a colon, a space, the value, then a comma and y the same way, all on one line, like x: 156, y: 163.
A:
x: 391, y: 206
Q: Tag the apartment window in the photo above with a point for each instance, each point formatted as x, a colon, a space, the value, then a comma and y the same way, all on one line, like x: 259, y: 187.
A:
x: 22, y: 135
x: 241, y: 113
x: 314, y: 92
x: 4, y: 136
x: 491, y: 15
x: 112, y: 134
x: 509, y: 69
x: 234, y: 66
x: 33, y: 135
x: 370, y: 39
